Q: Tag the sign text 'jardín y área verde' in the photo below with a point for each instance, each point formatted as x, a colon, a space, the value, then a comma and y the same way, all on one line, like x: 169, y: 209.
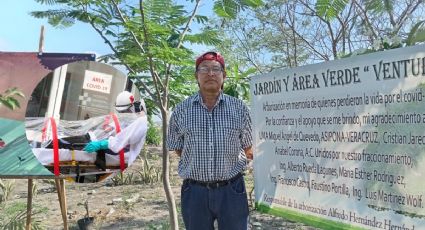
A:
x: 341, y: 144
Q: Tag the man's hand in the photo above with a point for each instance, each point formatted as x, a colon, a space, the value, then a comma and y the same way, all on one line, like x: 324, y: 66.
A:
x: 94, y: 146
x: 249, y: 153
x: 179, y: 153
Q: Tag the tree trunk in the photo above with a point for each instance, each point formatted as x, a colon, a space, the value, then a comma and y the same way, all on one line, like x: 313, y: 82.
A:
x: 174, y: 223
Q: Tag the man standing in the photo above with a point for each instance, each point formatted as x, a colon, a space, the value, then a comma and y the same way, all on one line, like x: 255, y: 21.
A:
x: 211, y: 132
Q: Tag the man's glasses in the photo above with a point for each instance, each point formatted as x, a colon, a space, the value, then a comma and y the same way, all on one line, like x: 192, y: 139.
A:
x: 215, y: 70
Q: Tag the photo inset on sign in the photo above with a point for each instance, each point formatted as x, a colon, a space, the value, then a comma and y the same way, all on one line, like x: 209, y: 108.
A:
x: 85, y: 121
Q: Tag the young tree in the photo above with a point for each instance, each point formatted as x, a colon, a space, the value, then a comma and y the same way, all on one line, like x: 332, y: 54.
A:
x: 150, y: 38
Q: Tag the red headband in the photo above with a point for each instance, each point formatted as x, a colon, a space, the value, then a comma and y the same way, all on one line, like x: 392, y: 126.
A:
x: 212, y: 56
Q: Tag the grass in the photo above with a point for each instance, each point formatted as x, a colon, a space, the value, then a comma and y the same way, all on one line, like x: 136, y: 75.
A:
x: 6, y: 189
x: 13, y: 216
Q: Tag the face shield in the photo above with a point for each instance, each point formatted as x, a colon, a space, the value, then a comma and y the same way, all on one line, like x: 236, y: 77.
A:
x: 124, y: 102
x: 129, y: 108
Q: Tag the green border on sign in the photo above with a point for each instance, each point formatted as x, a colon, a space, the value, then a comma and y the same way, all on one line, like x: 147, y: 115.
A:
x: 311, y: 220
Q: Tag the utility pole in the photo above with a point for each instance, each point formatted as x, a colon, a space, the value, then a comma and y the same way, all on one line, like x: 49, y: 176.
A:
x: 41, y: 40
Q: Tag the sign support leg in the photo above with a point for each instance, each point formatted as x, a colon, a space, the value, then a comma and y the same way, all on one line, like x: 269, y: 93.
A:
x: 29, y: 204
x: 60, y: 187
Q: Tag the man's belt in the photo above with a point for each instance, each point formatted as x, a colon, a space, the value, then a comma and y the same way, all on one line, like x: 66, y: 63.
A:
x: 214, y: 184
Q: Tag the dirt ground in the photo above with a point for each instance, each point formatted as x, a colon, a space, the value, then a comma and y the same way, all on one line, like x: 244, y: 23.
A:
x: 135, y: 201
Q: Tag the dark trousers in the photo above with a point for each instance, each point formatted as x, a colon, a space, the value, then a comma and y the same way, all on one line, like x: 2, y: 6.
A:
x: 228, y: 203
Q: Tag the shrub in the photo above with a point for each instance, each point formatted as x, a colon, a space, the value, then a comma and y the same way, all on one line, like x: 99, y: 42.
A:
x: 13, y: 216
x: 153, y: 136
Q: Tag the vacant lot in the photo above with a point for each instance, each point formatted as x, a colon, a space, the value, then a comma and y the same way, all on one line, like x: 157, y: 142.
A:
x: 135, y: 200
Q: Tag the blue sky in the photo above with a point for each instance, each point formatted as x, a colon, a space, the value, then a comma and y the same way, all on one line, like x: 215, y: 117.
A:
x: 19, y: 32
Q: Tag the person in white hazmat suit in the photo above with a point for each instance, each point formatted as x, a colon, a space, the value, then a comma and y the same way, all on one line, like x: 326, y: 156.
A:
x: 133, y: 135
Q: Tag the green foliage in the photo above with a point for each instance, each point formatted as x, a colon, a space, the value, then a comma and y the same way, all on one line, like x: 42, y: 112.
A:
x: 329, y: 9
x: 209, y: 38
x: 226, y: 9
x: 8, y: 98
x: 230, y: 8
x: 153, y: 135
x: 13, y: 217
x: 237, y: 83
x: 148, y: 174
x: 416, y: 34
x: 148, y: 39
x: 380, y: 6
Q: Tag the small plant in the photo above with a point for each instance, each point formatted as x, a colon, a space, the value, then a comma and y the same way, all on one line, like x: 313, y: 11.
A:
x: 146, y: 175
x: 14, y: 217
x: 19, y: 222
x: 127, y: 205
x: 86, y: 207
x: 6, y: 189
x: 153, y: 135
x: 149, y: 174
x: 125, y: 178
x: 88, y: 221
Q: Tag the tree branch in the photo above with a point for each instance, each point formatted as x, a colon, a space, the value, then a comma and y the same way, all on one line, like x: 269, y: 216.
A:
x: 154, y: 75
x: 390, y: 14
x: 181, y: 39
x: 330, y: 30
x: 124, y: 21
x: 410, y: 8
x: 366, y: 19
x: 292, y: 17
x: 109, y: 43
x: 135, y: 39
x: 247, y: 51
x: 307, y: 43
x: 118, y: 56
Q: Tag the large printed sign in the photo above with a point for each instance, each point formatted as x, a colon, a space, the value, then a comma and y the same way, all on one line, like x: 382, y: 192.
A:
x: 341, y: 144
